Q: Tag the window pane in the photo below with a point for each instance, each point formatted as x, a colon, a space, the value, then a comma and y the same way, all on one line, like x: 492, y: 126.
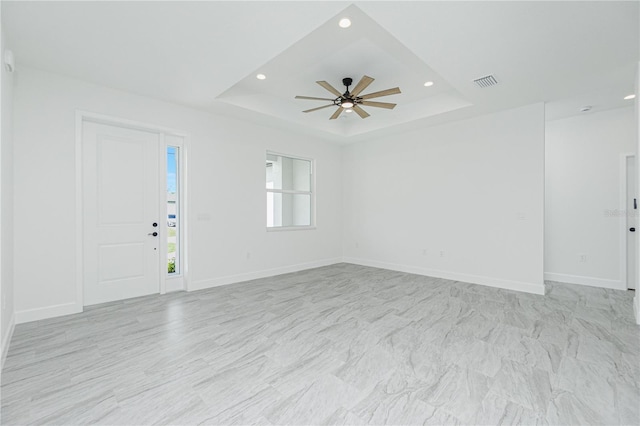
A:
x: 288, y: 173
x: 288, y: 209
x: 173, y: 228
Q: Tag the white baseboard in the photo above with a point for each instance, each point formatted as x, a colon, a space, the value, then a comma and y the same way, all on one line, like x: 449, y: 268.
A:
x: 232, y: 279
x: 7, y: 340
x: 636, y: 307
x: 36, y: 314
x: 73, y: 308
x: 589, y: 281
x: 535, y: 288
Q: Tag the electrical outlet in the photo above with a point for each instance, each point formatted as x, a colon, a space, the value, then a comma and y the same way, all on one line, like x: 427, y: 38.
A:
x: 441, y: 253
x: 424, y: 252
x: 248, y: 255
x: 357, y: 245
x: 582, y: 258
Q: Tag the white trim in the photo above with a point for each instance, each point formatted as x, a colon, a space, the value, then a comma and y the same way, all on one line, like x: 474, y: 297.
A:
x: 184, y: 211
x: 289, y: 191
x: 7, y: 340
x: 130, y: 124
x: 36, y: 314
x: 289, y: 228
x: 588, y: 281
x: 297, y: 157
x: 81, y: 116
x: 636, y: 309
x: 79, y: 213
x: 455, y: 276
x: 233, y: 279
x: 162, y: 212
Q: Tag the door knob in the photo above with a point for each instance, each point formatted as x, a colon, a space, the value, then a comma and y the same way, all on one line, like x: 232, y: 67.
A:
x: 155, y: 234
x: 632, y: 229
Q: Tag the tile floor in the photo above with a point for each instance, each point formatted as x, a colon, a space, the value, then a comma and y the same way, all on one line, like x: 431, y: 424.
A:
x: 342, y: 344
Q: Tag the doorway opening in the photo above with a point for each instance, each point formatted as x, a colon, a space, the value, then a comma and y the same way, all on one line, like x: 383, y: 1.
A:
x: 130, y: 227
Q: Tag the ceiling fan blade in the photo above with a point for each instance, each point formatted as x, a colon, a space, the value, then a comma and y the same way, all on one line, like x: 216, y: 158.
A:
x: 362, y: 113
x: 313, y: 99
x: 362, y: 84
x: 336, y: 114
x: 382, y: 93
x: 329, y: 87
x: 315, y: 109
x: 386, y: 105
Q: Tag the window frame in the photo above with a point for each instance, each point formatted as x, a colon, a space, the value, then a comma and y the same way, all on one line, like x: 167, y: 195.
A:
x: 311, y: 193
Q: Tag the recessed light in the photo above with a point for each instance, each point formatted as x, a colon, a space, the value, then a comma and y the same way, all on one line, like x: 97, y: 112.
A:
x: 628, y: 97
x: 345, y: 23
x: 429, y: 83
x: 261, y: 76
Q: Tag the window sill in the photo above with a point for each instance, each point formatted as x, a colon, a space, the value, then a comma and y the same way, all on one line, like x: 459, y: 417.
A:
x: 290, y: 228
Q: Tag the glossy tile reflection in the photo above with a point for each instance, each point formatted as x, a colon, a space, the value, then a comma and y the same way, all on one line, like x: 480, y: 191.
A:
x: 343, y: 344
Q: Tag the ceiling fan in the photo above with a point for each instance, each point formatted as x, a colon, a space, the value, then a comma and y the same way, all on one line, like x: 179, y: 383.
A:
x: 352, y: 100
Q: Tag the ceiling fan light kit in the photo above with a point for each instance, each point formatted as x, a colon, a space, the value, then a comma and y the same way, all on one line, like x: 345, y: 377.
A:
x: 352, y: 100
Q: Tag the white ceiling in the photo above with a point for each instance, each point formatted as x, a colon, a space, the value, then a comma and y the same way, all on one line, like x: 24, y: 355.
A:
x: 331, y: 53
x: 205, y: 55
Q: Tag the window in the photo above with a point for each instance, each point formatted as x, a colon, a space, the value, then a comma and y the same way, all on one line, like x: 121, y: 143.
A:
x: 173, y: 211
x: 290, y: 197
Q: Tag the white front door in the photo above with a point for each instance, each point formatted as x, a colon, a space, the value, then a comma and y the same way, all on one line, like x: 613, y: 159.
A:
x: 632, y: 222
x: 121, y: 206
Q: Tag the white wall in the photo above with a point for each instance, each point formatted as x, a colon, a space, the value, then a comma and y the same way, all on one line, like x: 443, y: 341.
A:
x: 6, y: 203
x: 228, y: 238
x: 462, y: 201
x: 583, y: 188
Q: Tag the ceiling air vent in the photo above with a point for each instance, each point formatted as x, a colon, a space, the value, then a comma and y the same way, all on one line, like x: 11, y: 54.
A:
x: 486, y: 81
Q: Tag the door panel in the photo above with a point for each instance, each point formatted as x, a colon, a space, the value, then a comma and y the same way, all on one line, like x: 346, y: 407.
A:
x: 121, y: 180
x: 120, y: 204
x: 120, y: 261
x: 632, y: 222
